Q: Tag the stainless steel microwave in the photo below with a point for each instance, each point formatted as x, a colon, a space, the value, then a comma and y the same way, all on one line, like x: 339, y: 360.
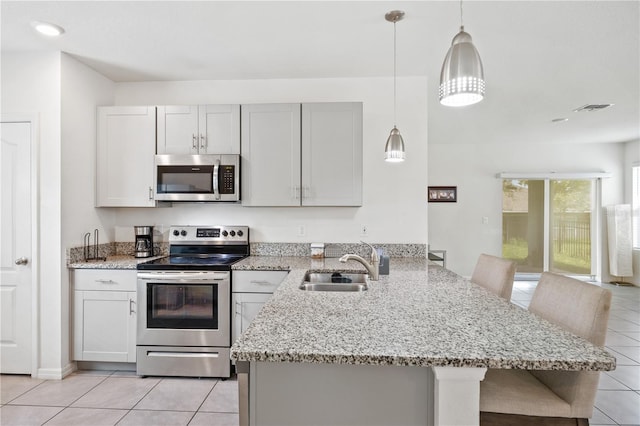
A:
x: 205, y: 177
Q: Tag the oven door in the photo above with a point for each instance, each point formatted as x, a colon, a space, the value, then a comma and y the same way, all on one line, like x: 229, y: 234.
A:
x: 184, y: 308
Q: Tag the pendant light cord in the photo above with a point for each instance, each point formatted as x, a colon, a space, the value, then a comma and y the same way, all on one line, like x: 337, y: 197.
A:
x: 394, y: 73
x: 461, y: 17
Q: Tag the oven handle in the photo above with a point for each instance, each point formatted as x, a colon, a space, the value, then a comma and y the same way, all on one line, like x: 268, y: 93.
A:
x: 183, y: 276
x: 184, y: 354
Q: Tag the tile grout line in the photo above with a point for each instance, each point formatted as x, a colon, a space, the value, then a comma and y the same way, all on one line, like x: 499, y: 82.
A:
x: 28, y: 390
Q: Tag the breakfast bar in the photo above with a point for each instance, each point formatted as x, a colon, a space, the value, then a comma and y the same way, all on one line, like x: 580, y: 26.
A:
x: 413, y: 347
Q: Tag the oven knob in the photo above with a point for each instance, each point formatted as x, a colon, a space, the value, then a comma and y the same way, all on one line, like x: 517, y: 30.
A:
x: 240, y: 233
x: 233, y: 233
x: 183, y: 233
x: 225, y: 233
x: 175, y: 232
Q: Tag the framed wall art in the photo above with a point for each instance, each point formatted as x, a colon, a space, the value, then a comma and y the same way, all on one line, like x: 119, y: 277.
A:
x: 442, y: 194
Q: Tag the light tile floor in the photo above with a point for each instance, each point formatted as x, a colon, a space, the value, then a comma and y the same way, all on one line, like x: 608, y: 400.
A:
x: 117, y: 398
x: 618, y: 398
x: 121, y: 398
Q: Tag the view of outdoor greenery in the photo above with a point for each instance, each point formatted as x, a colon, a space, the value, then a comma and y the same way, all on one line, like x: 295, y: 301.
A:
x: 570, y: 224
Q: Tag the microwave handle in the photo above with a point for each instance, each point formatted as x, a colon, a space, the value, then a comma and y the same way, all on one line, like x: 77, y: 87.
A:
x: 216, y: 171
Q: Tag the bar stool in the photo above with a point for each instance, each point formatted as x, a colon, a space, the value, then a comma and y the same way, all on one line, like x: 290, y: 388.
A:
x: 495, y: 274
x: 528, y: 397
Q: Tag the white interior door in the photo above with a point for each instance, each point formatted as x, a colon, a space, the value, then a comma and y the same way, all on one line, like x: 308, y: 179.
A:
x: 15, y: 248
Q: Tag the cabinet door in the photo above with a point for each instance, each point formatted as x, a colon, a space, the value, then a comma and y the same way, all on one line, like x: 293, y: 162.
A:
x: 270, y: 155
x: 126, y: 147
x: 245, y: 307
x: 178, y: 129
x: 332, y: 154
x: 219, y: 129
x: 104, y: 326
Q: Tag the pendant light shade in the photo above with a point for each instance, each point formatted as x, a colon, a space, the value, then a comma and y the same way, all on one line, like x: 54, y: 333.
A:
x: 462, y: 76
x: 394, y: 149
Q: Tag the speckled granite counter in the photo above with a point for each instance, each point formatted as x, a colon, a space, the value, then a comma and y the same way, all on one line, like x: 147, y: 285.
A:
x: 112, y: 262
x: 418, y: 315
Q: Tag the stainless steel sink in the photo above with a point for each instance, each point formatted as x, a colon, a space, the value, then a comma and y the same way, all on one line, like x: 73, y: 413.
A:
x: 334, y: 281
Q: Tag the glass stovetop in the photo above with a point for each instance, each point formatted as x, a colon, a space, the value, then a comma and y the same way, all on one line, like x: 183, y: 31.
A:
x: 220, y: 262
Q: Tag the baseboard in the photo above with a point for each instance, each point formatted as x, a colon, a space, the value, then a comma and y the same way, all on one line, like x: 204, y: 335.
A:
x: 56, y: 373
x: 106, y: 366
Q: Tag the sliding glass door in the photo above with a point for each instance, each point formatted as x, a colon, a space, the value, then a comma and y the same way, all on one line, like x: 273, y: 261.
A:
x: 549, y: 225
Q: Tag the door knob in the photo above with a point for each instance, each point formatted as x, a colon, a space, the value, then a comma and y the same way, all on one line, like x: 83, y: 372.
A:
x: 22, y: 261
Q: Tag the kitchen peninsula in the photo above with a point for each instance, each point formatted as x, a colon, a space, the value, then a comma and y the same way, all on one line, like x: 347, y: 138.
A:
x: 359, y: 358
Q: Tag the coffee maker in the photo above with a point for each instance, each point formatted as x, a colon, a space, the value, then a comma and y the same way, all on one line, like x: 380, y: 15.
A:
x: 144, y: 241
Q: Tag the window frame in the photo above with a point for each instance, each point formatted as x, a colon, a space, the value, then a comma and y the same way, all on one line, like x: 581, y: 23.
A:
x: 635, y: 205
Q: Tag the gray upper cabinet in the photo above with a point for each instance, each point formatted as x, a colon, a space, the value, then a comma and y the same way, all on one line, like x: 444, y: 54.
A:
x: 332, y: 154
x: 126, y: 144
x: 302, y: 155
x: 270, y: 165
x: 198, y: 129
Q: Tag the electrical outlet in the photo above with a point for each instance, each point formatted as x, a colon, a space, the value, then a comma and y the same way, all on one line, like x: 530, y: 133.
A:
x: 485, y: 220
x: 364, y: 231
x: 302, y: 231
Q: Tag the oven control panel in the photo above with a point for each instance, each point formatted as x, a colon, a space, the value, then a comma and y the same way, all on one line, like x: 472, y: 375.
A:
x: 209, y: 234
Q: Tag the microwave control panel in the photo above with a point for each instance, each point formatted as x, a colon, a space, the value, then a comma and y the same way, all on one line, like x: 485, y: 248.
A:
x: 227, y: 179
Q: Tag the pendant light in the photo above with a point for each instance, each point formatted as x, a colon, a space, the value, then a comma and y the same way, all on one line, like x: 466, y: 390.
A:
x: 462, y: 76
x: 394, y: 149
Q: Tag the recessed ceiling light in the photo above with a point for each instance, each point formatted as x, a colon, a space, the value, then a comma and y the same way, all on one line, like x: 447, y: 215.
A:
x: 559, y: 120
x: 47, y: 29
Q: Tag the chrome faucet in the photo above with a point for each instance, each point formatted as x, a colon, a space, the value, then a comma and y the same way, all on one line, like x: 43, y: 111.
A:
x: 372, y: 268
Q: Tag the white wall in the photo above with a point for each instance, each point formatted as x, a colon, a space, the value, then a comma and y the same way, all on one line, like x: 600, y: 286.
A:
x: 394, y: 207
x: 63, y: 94
x: 82, y: 89
x: 632, y: 158
x: 31, y: 85
x: 458, y: 228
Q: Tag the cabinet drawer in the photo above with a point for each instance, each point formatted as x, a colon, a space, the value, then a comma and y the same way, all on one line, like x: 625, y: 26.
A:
x: 105, y: 279
x: 257, y: 281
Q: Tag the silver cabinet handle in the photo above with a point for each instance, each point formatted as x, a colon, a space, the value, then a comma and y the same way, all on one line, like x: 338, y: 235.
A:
x: 194, y: 141
x: 296, y: 192
x: 131, y: 304
x: 103, y: 281
x: 238, y: 308
x: 22, y: 261
x: 203, y: 142
x: 305, y: 192
x: 216, y: 170
x: 150, y: 193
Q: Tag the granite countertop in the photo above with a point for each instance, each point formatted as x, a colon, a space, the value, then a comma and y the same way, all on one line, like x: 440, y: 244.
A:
x: 420, y: 315
x: 112, y: 262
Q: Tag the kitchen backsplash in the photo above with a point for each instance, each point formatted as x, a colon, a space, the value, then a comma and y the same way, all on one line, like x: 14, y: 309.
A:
x: 76, y: 254
x: 337, y: 249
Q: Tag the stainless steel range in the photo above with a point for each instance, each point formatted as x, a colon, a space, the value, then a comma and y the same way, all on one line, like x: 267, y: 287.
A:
x: 184, y: 328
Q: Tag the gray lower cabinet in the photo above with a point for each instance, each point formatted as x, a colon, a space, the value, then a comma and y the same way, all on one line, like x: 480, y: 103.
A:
x: 104, y: 315
x: 250, y: 291
x: 302, y: 154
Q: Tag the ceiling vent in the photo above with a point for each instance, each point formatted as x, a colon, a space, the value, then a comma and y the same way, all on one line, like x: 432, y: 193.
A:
x: 592, y: 107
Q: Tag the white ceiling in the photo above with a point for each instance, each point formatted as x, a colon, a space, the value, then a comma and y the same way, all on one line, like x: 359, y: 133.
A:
x: 542, y: 59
